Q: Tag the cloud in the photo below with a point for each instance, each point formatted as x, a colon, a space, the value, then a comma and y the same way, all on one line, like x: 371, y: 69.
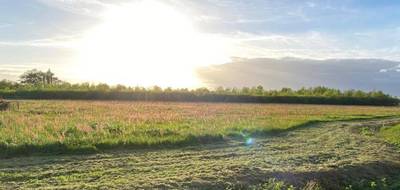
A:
x: 395, y: 69
x: 12, y: 71
x: 207, y: 18
x: 81, y: 7
x: 56, y: 42
x: 250, y: 28
x: 252, y: 20
x: 311, y: 44
x: 365, y: 74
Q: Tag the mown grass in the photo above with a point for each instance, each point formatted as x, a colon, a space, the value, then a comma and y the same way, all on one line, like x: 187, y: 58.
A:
x: 86, y: 126
x: 328, y: 156
x: 379, y: 184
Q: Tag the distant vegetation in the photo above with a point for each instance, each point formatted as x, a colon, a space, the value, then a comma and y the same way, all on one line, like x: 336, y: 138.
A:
x: 36, y: 84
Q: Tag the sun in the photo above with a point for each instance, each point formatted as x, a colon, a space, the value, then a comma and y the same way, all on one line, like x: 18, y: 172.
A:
x: 147, y: 43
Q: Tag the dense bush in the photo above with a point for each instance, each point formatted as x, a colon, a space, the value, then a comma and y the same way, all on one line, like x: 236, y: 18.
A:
x: 85, y: 91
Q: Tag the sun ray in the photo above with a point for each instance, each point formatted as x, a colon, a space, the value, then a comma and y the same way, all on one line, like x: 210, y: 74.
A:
x: 148, y: 43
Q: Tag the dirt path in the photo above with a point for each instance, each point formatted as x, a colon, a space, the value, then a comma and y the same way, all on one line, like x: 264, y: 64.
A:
x: 329, y: 153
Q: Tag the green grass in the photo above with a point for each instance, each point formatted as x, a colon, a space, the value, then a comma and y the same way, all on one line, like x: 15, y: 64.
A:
x: 322, y: 155
x: 391, y: 134
x: 165, y: 145
x: 59, y: 127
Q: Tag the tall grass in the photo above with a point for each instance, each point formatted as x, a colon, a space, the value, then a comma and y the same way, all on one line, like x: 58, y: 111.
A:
x: 86, y: 126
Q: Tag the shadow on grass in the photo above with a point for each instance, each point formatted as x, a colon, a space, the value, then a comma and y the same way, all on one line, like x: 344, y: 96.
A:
x: 65, y: 149
x: 373, y: 175
x: 308, y: 124
x: 57, y: 148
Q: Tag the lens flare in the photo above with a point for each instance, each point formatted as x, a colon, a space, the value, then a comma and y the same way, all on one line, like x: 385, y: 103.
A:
x: 249, y: 141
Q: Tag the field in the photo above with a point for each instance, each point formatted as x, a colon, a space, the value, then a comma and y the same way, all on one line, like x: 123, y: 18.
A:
x: 391, y: 134
x: 116, y: 144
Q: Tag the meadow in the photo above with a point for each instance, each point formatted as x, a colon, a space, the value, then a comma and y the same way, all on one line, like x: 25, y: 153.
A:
x: 89, y: 126
x: 117, y: 144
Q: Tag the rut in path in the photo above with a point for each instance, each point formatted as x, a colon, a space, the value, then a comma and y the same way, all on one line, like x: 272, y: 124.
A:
x: 329, y: 153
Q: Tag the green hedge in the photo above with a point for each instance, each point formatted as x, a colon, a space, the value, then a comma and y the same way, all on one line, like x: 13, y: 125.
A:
x: 189, y: 96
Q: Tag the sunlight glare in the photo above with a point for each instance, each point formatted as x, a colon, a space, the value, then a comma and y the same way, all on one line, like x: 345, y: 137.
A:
x: 148, y: 43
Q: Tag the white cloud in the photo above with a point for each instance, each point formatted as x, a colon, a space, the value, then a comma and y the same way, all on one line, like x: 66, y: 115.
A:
x: 311, y: 44
x: 279, y: 45
x: 395, y: 69
x: 12, y: 71
x: 57, y: 42
x: 252, y: 20
x: 207, y: 18
x: 82, y: 7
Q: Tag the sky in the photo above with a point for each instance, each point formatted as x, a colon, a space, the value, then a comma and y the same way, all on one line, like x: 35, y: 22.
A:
x: 149, y: 42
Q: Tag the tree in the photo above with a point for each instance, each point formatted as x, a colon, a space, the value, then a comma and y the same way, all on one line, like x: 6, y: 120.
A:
x: 102, y: 87
x: 32, y: 77
x: 202, y: 91
x: 259, y: 90
x: 120, y: 87
x: 36, y: 77
x: 6, y: 84
x: 286, y: 91
x: 220, y: 90
x: 246, y: 90
x: 156, y: 89
x: 48, y: 76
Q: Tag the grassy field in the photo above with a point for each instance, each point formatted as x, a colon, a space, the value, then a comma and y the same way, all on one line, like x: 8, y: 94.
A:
x: 329, y: 156
x: 87, y: 126
x: 391, y: 134
x: 198, y: 146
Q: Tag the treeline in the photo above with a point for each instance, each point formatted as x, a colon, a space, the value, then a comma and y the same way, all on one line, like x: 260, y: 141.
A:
x: 317, y: 95
x: 252, y: 91
x: 35, y: 84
